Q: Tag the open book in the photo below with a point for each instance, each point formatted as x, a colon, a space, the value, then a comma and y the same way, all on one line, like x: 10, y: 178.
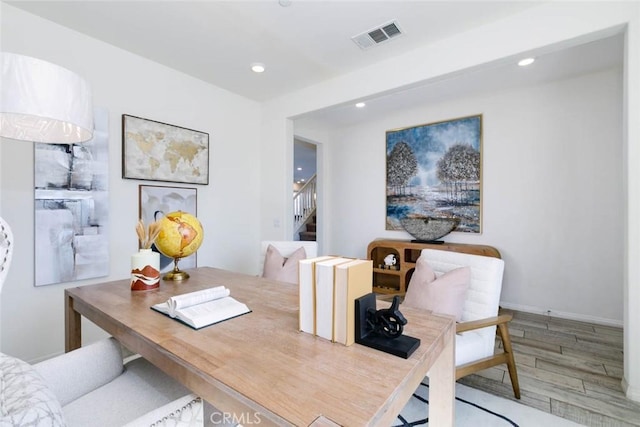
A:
x: 202, y: 308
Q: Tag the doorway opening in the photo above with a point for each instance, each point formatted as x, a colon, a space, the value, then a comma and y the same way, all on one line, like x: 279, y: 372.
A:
x: 305, y: 156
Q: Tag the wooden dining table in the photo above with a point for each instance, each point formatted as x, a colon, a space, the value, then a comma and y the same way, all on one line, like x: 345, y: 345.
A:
x: 259, y: 366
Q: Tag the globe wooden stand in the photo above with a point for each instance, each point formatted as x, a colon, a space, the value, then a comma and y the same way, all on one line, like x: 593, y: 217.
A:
x: 176, y: 274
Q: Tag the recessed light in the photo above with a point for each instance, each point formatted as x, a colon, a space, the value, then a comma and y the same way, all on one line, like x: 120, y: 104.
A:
x: 526, y: 61
x: 299, y: 169
x: 360, y: 105
x: 302, y: 180
x: 257, y: 67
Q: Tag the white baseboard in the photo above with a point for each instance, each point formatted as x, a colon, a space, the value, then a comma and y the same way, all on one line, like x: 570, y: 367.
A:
x: 631, y: 392
x: 563, y: 314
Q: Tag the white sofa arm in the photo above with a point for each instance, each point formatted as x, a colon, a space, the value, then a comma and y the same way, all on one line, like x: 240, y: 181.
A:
x: 78, y: 372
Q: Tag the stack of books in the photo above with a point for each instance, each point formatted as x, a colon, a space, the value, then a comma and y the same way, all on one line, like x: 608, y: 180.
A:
x: 329, y: 286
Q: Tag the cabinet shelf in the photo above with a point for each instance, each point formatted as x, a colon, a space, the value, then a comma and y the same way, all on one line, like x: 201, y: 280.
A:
x: 387, y: 271
x: 395, y: 282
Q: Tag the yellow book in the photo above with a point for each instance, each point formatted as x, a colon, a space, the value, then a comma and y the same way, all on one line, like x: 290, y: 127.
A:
x: 352, y: 280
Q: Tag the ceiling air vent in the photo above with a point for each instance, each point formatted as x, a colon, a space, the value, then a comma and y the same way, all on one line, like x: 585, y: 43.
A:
x: 377, y: 35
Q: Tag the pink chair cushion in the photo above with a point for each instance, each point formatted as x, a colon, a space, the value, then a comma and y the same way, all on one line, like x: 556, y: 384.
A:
x: 277, y: 267
x: 445, y: 294
x: 423, y: 273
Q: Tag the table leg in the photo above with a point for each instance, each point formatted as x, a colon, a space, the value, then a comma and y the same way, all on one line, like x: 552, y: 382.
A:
x: 72, y: 326
x: 442, y: 385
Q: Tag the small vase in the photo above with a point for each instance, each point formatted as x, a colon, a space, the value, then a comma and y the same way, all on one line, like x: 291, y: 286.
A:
x: 145, y: 270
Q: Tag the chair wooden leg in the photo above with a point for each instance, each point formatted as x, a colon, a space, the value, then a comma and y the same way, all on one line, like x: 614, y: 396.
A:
x: 511, y: 363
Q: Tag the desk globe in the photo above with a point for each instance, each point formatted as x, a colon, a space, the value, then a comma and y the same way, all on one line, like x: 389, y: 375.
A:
x: 180, y: 235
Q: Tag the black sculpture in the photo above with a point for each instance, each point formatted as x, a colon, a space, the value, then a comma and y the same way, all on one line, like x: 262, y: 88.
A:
x: 388, y: 322
x: 382, y: 329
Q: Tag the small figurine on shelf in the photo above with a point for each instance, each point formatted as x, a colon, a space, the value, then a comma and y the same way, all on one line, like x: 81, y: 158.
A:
x: 390, y: 261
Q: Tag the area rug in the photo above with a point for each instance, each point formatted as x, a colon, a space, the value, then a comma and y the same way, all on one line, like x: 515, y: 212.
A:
x: 476, y: 408
x: 473, y: 408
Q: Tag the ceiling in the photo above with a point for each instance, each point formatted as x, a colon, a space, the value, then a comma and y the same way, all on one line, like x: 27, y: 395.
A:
x: 301, y: 45
x: 600, y: 54
x: 309, y: 42
x: 305, y: 43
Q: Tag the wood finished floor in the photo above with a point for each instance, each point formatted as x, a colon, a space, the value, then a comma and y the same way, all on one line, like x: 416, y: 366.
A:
x: 568, y: 368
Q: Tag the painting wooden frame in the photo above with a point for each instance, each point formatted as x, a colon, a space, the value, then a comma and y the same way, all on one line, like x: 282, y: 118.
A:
x: 436, y: 170
x: 157, y: 200
x: 156, y: 151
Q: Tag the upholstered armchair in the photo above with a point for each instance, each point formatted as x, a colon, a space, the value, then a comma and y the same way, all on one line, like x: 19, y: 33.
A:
x: 91, y: 386
x: 478, y: 315
x: 6, y: 250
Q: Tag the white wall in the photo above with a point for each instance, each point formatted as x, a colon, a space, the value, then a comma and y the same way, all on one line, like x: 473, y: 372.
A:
x: 552, y: 191
x: 631, y: 378
x: 32, y: 318
x: 549, y: 26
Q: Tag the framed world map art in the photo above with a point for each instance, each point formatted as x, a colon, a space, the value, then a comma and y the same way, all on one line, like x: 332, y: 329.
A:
x: 156, y: 151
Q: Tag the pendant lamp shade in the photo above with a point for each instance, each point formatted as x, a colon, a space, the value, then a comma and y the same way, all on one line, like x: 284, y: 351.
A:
x: 43, y: 102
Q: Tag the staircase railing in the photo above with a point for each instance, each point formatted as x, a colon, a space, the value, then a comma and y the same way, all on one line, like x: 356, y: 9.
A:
x: 304, y: 203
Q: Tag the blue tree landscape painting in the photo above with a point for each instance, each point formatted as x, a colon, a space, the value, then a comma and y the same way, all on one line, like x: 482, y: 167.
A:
x: 435, y: 170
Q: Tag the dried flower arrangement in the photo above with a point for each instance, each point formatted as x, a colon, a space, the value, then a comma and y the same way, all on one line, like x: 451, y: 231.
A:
x: 147, y: 235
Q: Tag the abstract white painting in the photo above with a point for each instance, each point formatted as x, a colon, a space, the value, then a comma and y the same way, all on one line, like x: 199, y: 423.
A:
x: 71, y: 208
x: 157, y: 201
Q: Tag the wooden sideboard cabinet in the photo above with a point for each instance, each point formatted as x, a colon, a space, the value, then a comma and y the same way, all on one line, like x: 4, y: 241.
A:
x: 394, y: 280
